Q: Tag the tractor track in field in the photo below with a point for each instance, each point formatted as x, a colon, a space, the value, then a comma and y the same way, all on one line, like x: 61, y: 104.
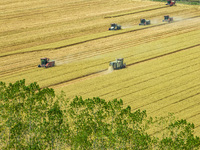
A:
x: 101, y: 72
x: 52, y: 8
x: 94, y: 74
x: 193, y: 95
x: 32, y: 66
x: 153, y: 78
x: 191, y: 106
x: 86, y: 54
x: 81, y: 42
x: 131, y: 13
x: 18, y: 69
x: 155, y: 57
x: 158, y: 70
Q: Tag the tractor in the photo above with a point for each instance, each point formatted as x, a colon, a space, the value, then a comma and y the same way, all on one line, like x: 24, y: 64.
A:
x: 144, y: 22
x: 45, y: 62
x: 168, y: 19
x: 115, y: 26
x: 171, y: 3
x: 118, y: 64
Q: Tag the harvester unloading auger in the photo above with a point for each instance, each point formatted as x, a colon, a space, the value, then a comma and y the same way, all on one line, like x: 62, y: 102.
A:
x: 168, y: 19
x: 45, y: 62
x: 118, y: 64
x: 144, y: 22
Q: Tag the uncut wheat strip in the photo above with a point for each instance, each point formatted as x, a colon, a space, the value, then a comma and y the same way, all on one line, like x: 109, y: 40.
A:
x: 197, y: 57
x: 170, y: 67
x: 37, y: 47
x: 164, y: 64
x: 140, y: 78
x: 98, y: 51
x: 194, y: 118
x: 5, y: 64
x: 95, y: 4
x: 109, y: 82
x: 147, y: 85
x: 49, y: 77
x: 45, y: 7
x: 170, y: 87
x: 181, y: 99
x: 191, y: 113
x: 23, y: 35
x: 117, y: 45
x: 150, y: 86
x: 176, y: 105
x: 183, y: 106
x: 39, y: 75
x: 123, y: 81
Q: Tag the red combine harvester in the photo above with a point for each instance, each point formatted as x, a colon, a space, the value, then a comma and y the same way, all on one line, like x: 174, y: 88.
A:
x: 171, y: 3
x: 45, y: 62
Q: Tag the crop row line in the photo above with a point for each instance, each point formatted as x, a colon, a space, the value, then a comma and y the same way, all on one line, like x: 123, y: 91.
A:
x: 114, y: 16
x: 89, y: 75
x: 88, y: 40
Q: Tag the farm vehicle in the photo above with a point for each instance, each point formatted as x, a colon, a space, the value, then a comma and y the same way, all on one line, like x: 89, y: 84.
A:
x: 144, y: 22
x: 115, y: 26
x: 171, y: 3
x: 46, y: 62
x: 118, y: 64
x: 168, y: 19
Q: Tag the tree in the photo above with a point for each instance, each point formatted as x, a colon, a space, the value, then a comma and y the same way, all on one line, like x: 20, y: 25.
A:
x: 35, y: 118
x: 27, y: 113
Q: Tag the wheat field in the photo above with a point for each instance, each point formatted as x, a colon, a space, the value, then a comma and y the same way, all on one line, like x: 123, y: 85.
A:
x: 163, y: 59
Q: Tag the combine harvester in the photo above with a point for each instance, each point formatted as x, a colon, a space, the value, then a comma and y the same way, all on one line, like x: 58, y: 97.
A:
x: 171, y: 3
x: 45, y: 62
x: 168, y: 19
x: 144, y: 22
x: 118, y: 64
x: 115, y: 26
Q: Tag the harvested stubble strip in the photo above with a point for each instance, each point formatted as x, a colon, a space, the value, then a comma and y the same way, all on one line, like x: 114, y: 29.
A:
x: 62, y: 74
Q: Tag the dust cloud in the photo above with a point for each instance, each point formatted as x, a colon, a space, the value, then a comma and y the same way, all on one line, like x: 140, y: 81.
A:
x: 110, y: 70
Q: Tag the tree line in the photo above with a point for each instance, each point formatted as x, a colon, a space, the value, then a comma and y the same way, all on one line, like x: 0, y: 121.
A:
x: 35, y: 118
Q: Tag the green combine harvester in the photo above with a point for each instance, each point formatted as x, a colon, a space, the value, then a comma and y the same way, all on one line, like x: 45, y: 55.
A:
x: 144, y: 22
x: 115, y: 26
x: 168, y: 19
x: 118, y: 64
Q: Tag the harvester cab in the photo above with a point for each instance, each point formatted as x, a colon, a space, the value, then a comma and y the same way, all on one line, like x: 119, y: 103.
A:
x: 118, y: 64
x: 45, y: 62
x: 144, y: 22
x: 168, y: 19
x: 115, y: 26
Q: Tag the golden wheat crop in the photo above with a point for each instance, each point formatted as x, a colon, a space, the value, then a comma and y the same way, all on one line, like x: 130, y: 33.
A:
x: 162, y: 59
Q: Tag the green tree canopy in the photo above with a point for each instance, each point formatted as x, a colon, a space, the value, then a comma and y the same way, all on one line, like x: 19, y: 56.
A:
x: 35, y: 118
